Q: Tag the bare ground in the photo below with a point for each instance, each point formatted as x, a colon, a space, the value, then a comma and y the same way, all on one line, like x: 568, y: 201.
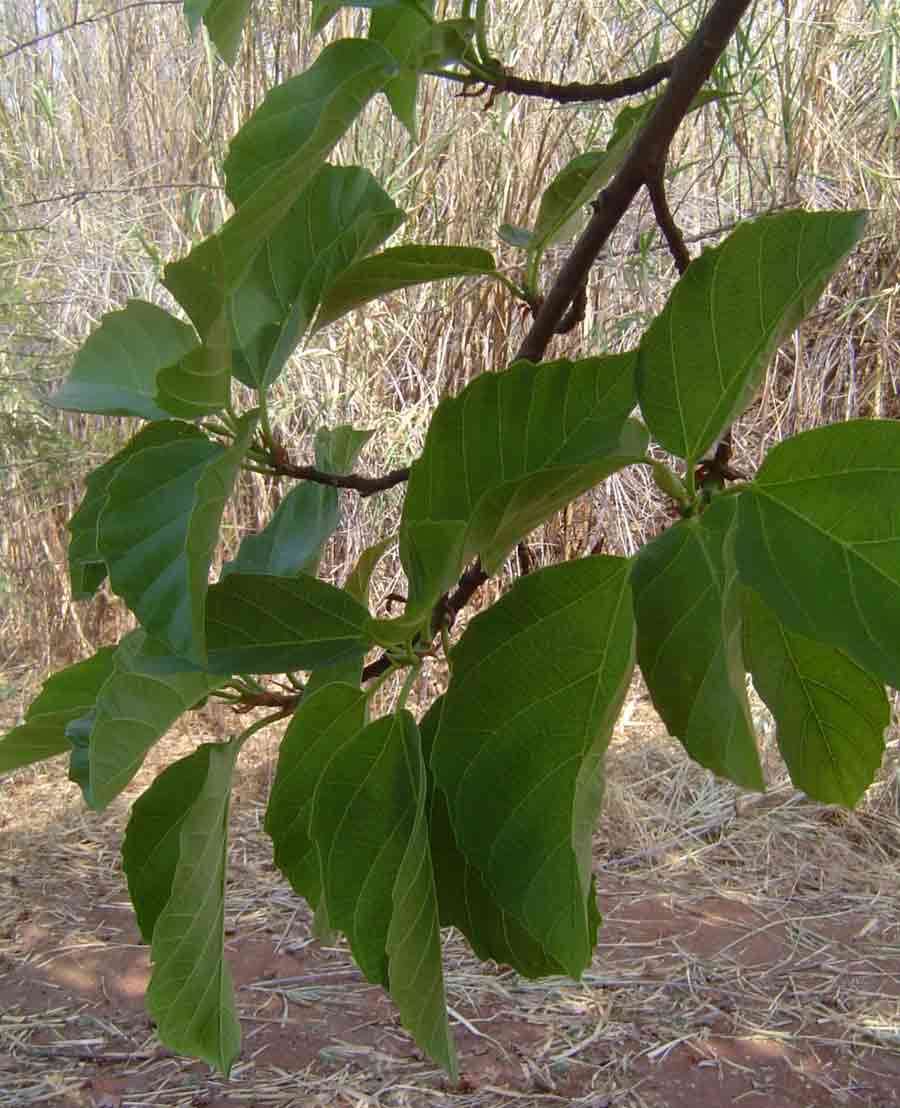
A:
x: 750, y: 956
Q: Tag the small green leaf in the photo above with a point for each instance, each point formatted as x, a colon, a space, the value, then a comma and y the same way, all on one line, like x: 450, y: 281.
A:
x: 323, y: 11
x: 341, y: 216
x: 324, y: 721
x: 357, y: 584
x: 687, y: 606
x: 819, y: 539
x: 537, y: 683
x: 199, y: 384
x: 133, y: 710
x: 830, y: 714
x: 64, y: 698
x: 370, y: 829
x: 399, y: 267
x: 158, y: 529
x: 87, y: 569
x: 174, y: 855
x: 116, y: 370
x: 520, y: 237
x: 464, y: 900
x: 701, y: 359
x: 263, y: 624
x: 223, y: 19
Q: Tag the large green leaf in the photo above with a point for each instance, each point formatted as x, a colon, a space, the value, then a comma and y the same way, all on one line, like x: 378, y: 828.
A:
x: 504, y: 455
x: 200, y: 383
x: 399, y: 267
x: 464, y: 901
x: 820, y: 539
x: 371, y: 832
x: 64, y: 698
x: 133, y: 710
x: 292, y: 540
x: 86, y: 566
x: 537, y: 683
x: 687, y: 603
x: 323, y: 722
x: 174, y: 856
x: 271, y: 160
x: 224, y: 20
x: 341, y: 216
x: 159, y: 527
x: 262, y: 624
x: 829, y: 713
x: 701, y: 359
x: 116, y: 371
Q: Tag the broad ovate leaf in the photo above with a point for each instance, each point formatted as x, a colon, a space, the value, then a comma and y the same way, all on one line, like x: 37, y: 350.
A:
x: 64, y: 698
x: 223, y: 19
x: 87, y: 568
x: 830, y: 715
x: 701, y: 360
x: 325, y: 720
x: 133, y: 710
x: 687, y: 604
x: 399, y: 267
x: 158, y: 529
x: 262, y: 624
x: 116, y: 371
x: 371, y: 831
x: 342, y: 215
x: 174, y: 858
x: 819, y: 539
x: 537, y: 683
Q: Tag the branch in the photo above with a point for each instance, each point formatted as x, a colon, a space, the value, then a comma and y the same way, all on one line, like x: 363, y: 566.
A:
x: 38, y: 39
x: 365, y: 486
x: 666, y: 222
x: 574, y: 92
x: 691, y: 68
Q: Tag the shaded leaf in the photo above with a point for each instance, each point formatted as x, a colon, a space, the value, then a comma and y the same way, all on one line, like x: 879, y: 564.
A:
x: 537, y: 683
x: 174, y: 856
x: 399, y: 267
x: 65, y: 697
x: 116, y: 370
x: 199, y: 384
x: 701, y: 360
x: 224, y: 20
x: 264, y: 624
x: 826, y: 500
x: 370, y: 829
x: 324, y: 721
x: 87, y: 568
x: 341, y: 216
x: 133, y: 711
x: 829, y: 713
x: 159, y: 527
x: 687, y: 604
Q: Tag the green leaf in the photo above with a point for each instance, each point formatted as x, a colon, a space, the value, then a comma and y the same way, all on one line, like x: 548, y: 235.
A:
x: 271, y: 160
x: 133, y: 710
x: 87, y: 569
x: 159, y: 527
x: 519, y: 237
x: 701, y: 360
x: 324, y: 721
x: 370, y: 829
x: 341, y: 216
x: 820, y: 539
x: 357, y: 584
x: 399, y: 267
x: 537, y: 683
x: 64, y: 698
x: 323, y: 11
x: 829, y: 713
x: 263, y: 624
x: 464, y: 901
x: 115, y: 372
x: 687, y: 603
x: 224, y: 20
x: 199, y: 384
x: 508, y: 452
x: 292, y: 540
x: 174, y: 855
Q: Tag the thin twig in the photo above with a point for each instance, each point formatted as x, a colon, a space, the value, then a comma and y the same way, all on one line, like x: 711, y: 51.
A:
x: 360, y: 483
x: 77, y: 195
x: 88, y: 19
x: 666, y: 222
